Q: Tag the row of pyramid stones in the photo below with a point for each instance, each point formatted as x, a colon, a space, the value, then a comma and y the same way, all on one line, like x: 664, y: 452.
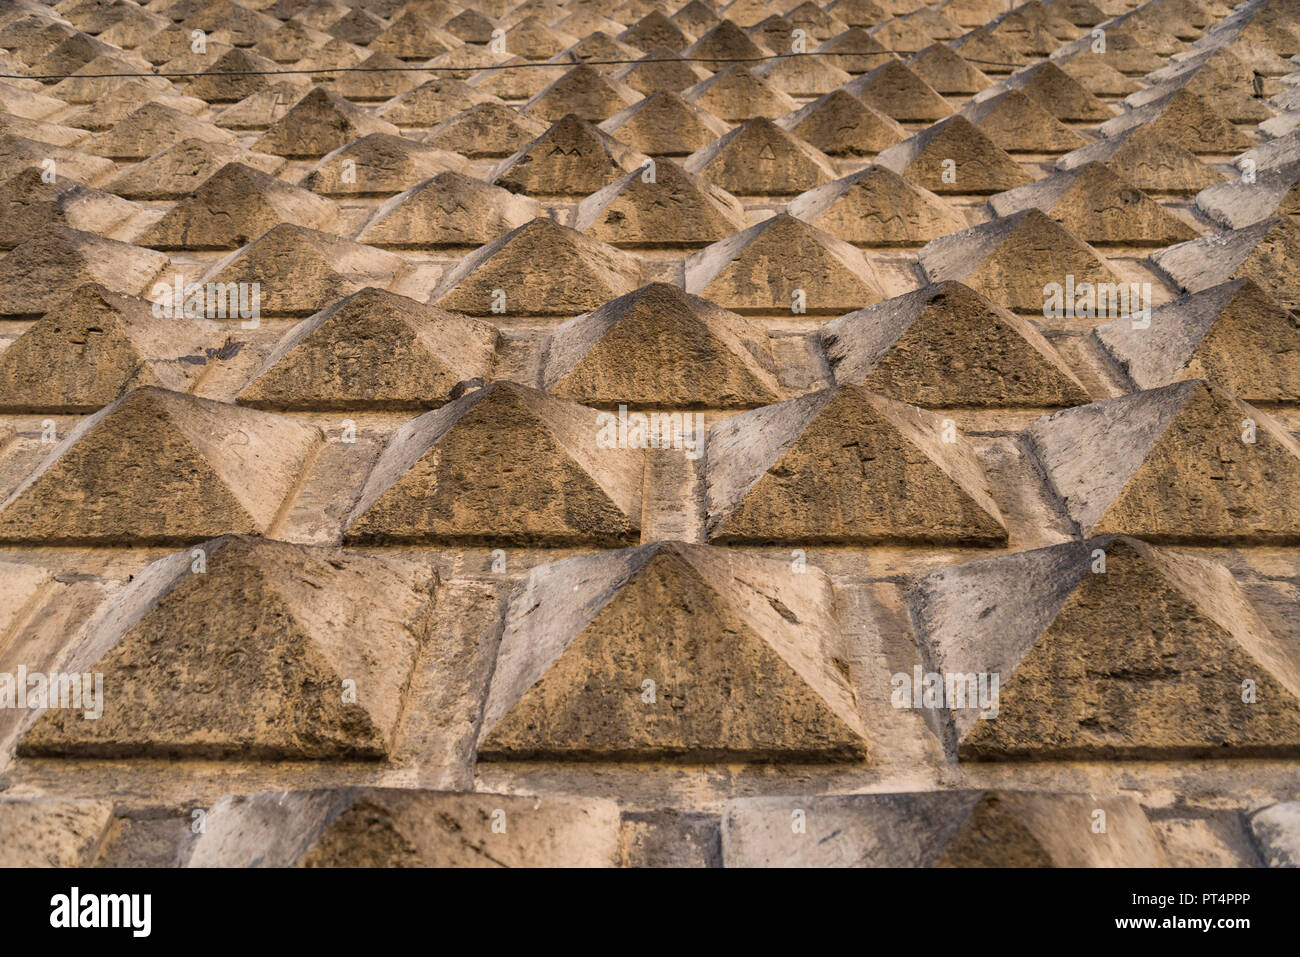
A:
x: 378, y: 827
x: 1188, y: 462
x: 630, y: 200
x: 657, y: 345
x: 544, y: 269
x: 676, y: 651
x: 727, y: 41
x: 722, y: 42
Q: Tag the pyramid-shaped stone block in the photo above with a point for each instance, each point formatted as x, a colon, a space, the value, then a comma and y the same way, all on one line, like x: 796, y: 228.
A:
x: 584, y: 91
x: 374, y: 350
x: 233, y: 207
x: 266, y: 678
x: 1185, y: 118
x: 448, y: 210
x: 151, y: 128
x: 178, y: 170
x: 953, y: 156
x: 1234, y: 334
x: 1267, y: 252
x: 737, y: 95
x: 946, y: 346
x: 572, y: 158
x: 780, y: 263
x: 197, y: 468
x: 1015, y: 123
x: 709, y: 628
x: 663, y: 124
x: 844, y: 465
x: 877, y: 207
x: 661, y: 346
x: 761, y: 158
x: 311, y: 269
x: 28, y: 204
x: 95, y: 345
x: 664, y: 207
x: 503, y: 464
x: 1187, y: 462
x: 1057, y: 624
x: 1014, y: 260
x: 408, y: 827
x: 899, y: 93
x: 1098, y: 206
x: 961, y: 828
x: 319, y: 123
x: 39, y: 273
x: 1149, y: 160
x: 380, y: 165
x: 489, y: 129
x: 842, y: 125
x: 541, y: 268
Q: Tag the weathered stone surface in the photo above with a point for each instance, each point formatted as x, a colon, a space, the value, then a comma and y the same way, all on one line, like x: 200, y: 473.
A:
x: 845, y: 465
x: 810, y: 75
x: 433, y: 102
x: 939, y: 829
x: 96, y: 345
x: 660, y: 346
x: 260, y: 646
x: 1098, y: 206
x: 17, y: 153
x: 1277, y: 833
x: 584, y: 91
x: 310, y: 269
x: 953, y: 156
x: 946, y: 71
x: 28, y: 204
x: 572, y: 158
x: 766, y: 266
x: 723, y: 43
x: 502, y: 464
x: 40, y: 272
x: 236, y: 74
x: 374, y: 350
x: 1186, y: 119
x: 877, y: 207
x: 1149, y: 160
x: 1059, y: 94
x: 391, y: 827
x: 379, y: 165
x: 542, y: 269
x: 51, y: 832
x: 198, y: 468
x: 486, y: 130
x: 1171, y: 465
x: 1267, y: 253
x: 151, y: 128
x: 179, y: 170
x: 736, y: 95
x: 666, y: 207
x: 663, y: 124
x: 946, y: 346
x: 1011, y: 260
x: 319, y: 123
x: 842, y: 125
x: 1234, y: 334
x: 1237, y: 203
x: 899, y: 93
x: 450, y: 209
x: 1078, y: 681
x: 760, y: 157
x: 233, y: 207
x: 661, y: 70
x: 710, y: 627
